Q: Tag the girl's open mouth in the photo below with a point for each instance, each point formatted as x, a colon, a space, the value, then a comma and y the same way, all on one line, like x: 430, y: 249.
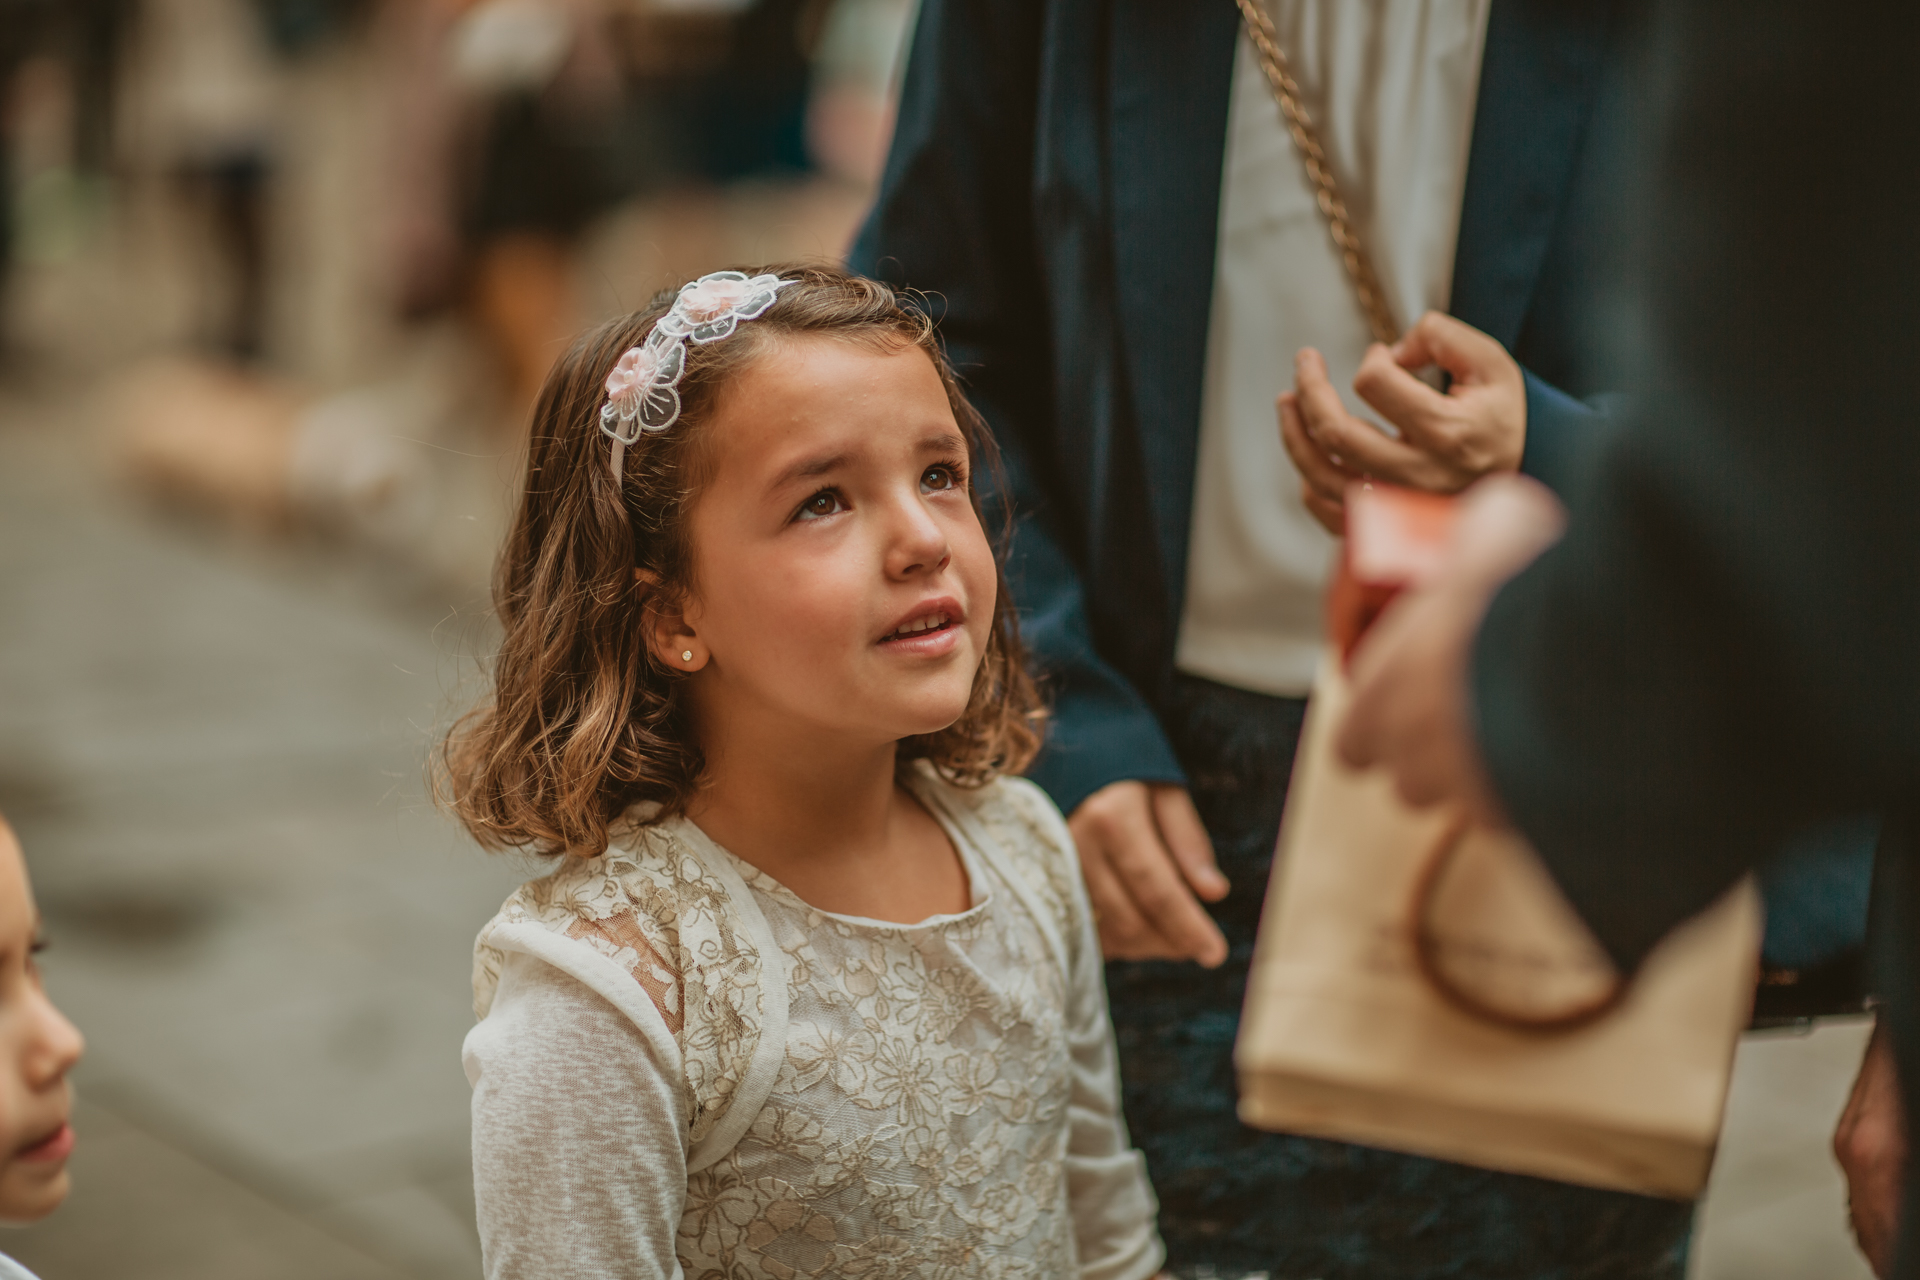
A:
x: 925, y: 625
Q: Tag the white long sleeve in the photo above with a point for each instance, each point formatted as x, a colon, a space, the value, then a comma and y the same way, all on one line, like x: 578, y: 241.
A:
x: 579, y: 1155
x: 1113, y: 1204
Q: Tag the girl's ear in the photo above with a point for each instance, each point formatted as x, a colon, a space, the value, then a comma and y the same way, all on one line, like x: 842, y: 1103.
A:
x: 670, y: 635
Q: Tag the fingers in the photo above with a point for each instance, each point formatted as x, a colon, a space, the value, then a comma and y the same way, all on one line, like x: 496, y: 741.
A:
x: 1322, y: 477
x: 1421, y: 413
x: 1124, y: 932
x: 1409, y: 706
x: 1870, y: 1145
x: 1505, y: 523
x: 1356, y: 445
x: 1143, y: 864
x: 1477, y: 427
x: 1146, y: 910
x: 1472, y: 357
x: 1184, y: 834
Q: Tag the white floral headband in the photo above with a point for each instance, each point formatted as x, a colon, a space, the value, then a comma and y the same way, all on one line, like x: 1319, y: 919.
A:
x: 643, y: 391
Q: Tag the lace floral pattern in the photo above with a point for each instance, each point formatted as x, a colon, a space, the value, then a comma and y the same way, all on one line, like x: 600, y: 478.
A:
x: 918, y: 1124
x: 660, y: 913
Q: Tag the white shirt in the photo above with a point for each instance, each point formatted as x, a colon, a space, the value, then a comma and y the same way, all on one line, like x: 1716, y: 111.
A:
x: 939, y: 1098
x: 1391, y: 85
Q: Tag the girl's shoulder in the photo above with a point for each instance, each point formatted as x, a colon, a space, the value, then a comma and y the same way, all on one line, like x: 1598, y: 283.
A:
x: 665, y: 931
x: 638, y: 904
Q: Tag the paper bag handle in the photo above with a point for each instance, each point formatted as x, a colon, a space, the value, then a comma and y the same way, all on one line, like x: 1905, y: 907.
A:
x: 1427, y: 947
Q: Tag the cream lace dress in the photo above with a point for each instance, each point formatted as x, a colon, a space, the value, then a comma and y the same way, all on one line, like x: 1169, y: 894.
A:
x: 682, y: 1069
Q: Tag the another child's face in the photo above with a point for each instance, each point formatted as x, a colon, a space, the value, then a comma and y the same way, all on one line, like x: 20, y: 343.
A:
x: 842, y: 582
x: 38, y: 1047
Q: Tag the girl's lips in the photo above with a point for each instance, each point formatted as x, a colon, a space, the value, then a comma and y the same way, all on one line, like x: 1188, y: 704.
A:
x: 930, y: 643
x: 55, y: 1147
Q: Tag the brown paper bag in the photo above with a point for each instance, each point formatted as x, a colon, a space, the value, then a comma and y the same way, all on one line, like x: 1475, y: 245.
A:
x: 1345, y: 1036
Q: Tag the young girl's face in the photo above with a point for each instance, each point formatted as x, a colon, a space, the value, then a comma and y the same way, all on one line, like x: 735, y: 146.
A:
x: 38, y: 1047
x: 842, y: 582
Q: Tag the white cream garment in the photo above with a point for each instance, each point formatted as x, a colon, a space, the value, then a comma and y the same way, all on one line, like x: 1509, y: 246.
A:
x: 946, y: 1102
x: 1391, y: 84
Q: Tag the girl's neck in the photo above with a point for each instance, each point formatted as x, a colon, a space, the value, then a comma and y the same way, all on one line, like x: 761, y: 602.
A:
x: 827, y: 820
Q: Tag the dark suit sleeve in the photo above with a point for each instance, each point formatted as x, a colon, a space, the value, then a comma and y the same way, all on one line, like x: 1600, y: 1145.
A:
x: 954, y: 220
x: 1722, y: 648
x: 1559, y: 427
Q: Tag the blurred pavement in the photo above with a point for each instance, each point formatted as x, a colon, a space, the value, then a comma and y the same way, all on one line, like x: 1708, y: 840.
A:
x: 213, y: 751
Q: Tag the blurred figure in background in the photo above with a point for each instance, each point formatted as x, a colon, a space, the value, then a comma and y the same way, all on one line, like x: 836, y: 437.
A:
x: 520, y: 149
x: 58, y: 75
x: 582, y: 103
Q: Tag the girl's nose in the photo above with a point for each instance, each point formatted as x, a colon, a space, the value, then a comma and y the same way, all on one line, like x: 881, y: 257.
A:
x: 55, y: 1047
x: 918, y: 541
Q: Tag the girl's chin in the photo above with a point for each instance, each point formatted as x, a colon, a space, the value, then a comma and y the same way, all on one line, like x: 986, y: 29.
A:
x: 920, y: 726
x: 28, y: 1194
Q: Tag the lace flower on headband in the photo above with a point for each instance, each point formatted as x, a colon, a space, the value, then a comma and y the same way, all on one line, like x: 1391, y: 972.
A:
x: 643, y: 391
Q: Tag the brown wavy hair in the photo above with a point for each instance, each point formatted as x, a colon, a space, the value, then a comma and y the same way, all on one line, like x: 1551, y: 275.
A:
x: 583, y: 721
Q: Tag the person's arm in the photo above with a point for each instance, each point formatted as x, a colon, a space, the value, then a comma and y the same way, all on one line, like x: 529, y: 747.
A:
x: 953, y: 220
x: 579, y: 1160
x: 1720, y: 650
x: 1112, y: 1202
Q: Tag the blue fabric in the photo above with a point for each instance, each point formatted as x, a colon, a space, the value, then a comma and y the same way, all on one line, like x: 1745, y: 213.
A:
x: 1559, y: 427
x: 1816, y: 892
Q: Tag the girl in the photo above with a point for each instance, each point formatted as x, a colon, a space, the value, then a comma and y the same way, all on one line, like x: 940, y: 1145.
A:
x: 38, y: 1047
x: 814, y: 989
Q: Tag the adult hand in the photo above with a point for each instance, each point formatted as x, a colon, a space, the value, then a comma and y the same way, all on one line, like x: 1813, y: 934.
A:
x: 1477, y: 427
x: 1148, y: 863
x: 1871, y: 1145
x: 1409, y: 706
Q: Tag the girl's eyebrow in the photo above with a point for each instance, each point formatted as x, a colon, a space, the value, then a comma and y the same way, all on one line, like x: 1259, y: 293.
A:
x: 821, y: 464
x: 807, y: 469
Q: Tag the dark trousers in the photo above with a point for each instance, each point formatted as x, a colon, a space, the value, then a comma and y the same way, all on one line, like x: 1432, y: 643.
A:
x: 1301, y: 1208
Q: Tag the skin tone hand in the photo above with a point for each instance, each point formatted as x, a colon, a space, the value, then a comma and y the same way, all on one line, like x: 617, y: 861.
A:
x: 1409, y: 709
x: 1149, y: 864
x: 1448, y: 440
x: 1871, y: 1145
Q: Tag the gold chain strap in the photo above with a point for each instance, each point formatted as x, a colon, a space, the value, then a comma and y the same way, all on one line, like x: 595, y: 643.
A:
x: 1286, y: 92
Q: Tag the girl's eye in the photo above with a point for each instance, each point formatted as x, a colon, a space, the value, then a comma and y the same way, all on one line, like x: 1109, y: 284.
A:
x: 935, y: 479
x: 824, y: 503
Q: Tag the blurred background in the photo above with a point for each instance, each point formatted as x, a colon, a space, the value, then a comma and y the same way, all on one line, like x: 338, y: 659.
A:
x: 278, y: 281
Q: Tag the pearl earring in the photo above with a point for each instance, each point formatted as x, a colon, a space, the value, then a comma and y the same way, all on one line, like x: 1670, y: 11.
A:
x: 686, y: 655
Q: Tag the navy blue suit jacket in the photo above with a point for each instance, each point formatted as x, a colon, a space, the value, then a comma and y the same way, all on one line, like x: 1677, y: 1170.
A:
x: 1054, y: 188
